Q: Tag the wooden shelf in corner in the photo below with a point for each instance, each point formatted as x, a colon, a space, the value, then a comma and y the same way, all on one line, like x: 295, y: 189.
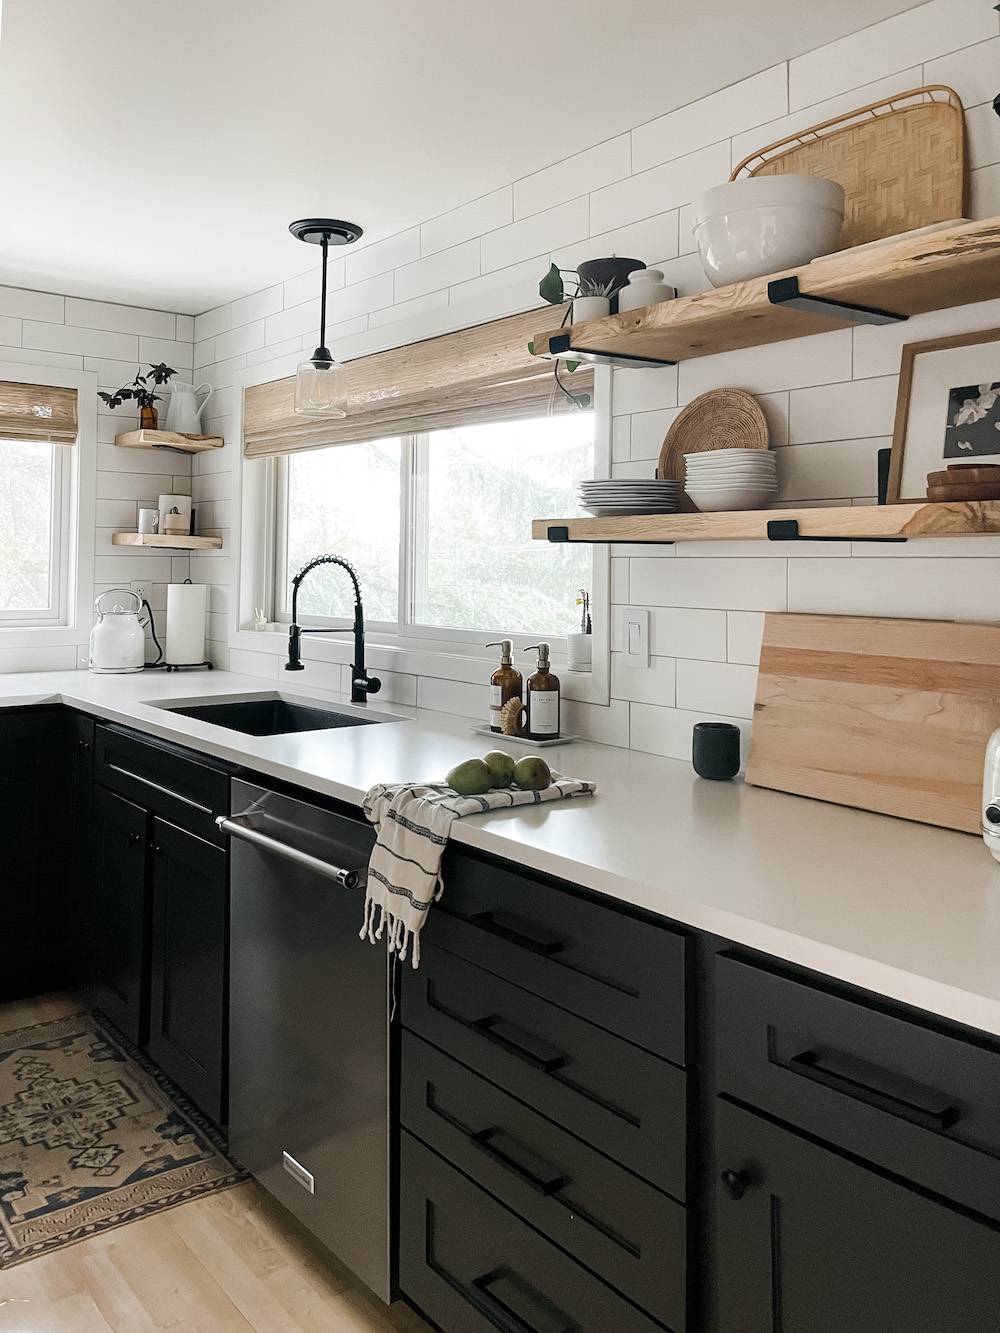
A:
x: 955, y: 266
x: 166, y: 542
x: 841, y: 523
x: 168, y: 439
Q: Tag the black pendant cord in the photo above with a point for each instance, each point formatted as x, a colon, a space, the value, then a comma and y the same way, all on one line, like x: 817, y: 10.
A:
x: 322, y: 301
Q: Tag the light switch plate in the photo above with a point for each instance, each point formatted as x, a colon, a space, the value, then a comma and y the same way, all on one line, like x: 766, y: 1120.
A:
x: 636, y: 626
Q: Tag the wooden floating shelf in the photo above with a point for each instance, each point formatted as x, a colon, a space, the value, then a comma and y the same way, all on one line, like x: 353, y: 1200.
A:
x: 168, y: 439
x: 860, y: 523
x: 955, y: 266
x: 166, y: 542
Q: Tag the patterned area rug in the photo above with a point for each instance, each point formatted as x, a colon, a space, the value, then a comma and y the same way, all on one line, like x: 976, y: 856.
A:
x: 92, y: 1135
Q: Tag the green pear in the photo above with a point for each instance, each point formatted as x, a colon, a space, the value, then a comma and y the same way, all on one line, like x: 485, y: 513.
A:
x: 471, y: 778
x: 501, y: 767
x: 532, y: 773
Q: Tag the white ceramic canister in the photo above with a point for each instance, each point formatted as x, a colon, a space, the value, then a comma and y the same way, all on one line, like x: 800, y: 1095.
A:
x: 645, y: 287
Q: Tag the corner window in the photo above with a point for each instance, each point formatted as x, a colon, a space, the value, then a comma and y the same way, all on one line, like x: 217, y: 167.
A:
x: 439, y: 527
x: 34, y: 518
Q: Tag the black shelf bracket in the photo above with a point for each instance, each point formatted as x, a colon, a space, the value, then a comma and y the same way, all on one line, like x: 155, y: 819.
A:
x: 560, y: 533
x: 787, y: 530
x: 559, y: 346
x: 786, y: 292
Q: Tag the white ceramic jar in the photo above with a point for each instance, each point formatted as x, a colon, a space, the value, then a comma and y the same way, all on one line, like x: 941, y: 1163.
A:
x: 590, y: 307
x: 645, y: 287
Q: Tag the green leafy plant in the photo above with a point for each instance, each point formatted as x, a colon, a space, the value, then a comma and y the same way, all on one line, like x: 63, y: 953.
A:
x: 141, y: 390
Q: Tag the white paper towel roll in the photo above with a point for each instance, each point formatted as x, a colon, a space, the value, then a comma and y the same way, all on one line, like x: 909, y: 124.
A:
x: 186, y: 603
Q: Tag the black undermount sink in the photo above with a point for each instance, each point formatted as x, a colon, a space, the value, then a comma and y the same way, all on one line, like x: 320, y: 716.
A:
x: 271, y: 717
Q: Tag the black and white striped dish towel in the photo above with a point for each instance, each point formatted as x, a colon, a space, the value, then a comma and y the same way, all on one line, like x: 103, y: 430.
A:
x: 413, y: 821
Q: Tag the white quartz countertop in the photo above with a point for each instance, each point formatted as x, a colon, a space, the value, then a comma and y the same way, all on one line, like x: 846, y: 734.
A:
x: 902, y: 909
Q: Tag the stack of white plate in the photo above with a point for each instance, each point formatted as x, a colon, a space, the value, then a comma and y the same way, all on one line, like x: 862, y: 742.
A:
x: 730, y: 479
x: 629, y: 495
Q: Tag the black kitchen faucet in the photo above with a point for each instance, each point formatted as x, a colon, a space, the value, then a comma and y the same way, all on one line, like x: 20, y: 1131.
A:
x: 361, y: 683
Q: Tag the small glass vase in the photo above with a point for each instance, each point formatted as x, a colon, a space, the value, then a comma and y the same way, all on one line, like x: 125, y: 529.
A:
x: 148, y: 418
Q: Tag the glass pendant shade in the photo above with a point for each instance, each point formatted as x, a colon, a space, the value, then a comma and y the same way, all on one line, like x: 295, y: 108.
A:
x: 321, y: 387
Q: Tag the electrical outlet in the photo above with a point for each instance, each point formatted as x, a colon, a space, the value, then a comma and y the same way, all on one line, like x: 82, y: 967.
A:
x: 140, y: 588
x: 636, y: 627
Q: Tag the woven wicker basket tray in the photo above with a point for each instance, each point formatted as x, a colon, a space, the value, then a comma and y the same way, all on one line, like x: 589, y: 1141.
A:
x: 901, y: 162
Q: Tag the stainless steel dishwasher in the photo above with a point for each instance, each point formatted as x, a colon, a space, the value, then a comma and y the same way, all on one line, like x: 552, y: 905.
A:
x: 309, y: 1025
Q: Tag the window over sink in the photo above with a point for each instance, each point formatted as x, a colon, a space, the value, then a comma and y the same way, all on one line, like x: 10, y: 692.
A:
x: 438, y: 524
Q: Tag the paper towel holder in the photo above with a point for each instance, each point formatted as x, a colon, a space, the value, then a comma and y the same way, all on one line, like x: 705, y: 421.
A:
x: 187, y: 666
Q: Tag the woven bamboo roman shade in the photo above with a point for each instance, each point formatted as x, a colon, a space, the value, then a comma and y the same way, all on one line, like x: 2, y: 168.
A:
x: 37, y: 412
x: 484, y: 373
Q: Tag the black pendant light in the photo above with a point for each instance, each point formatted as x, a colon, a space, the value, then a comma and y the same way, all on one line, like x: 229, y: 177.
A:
x: 321, y: 382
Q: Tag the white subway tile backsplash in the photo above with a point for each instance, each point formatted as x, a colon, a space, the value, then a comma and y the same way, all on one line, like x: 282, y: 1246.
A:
x: 653, y: 240
x: 752, y: 101
x: 481, y: 215
x: 120, y: 318
x: 382, y: 256
x: 572, y: 177
x: 420, y: 305
x: 717, y: 687
x: 621, y: 430
x: 177, y: 354
x: 675, y: 632
x: 982, y: 127
x: 185, y: 329
x: 644, y: 390
x: 242, y: 338
x: 437, y: 270
x: 750, y: 584
x: 842, y: 411
x: 824, y: 358
x: 659, y: 189
x: 606, y: 724
x: 972, y: 71
x: 834, y: 470
x: 86, y: 342
x: 668, y: 731
x: 619, y: 581
x: 10, y: 331
x: 550, y: 230
x: 906, y: 39
x: 745, y: 629
x: 649, y: 429
x: 256, y: 306
x: 31, y: 356
x: 305, y: 286
x: 20, y: 303
x: 984, y: 191
x: 453, y: 696
x: 932, y: 588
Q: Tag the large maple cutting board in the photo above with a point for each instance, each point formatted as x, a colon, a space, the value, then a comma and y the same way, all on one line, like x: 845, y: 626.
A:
x: 886, y: 715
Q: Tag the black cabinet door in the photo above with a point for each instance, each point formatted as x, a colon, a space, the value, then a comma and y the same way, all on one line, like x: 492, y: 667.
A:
x: 118, y: 912
x: 34, y: 866
x: 811, y: 1242
x: 188, y: 977
x: 80, y: 843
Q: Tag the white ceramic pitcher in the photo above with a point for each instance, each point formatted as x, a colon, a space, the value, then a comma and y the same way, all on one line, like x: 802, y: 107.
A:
x: 185, y: 412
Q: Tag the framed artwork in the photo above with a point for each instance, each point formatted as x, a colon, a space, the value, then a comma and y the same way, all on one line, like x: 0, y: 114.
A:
x: 947, y: 409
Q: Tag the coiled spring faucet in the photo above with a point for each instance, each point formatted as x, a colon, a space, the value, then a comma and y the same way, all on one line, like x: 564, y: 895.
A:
x: 362, y: 684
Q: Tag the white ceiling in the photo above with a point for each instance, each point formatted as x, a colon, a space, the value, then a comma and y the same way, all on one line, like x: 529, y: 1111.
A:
x: 154, y: 153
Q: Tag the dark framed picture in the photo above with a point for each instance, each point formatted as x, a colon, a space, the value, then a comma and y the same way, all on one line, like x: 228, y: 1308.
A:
x: 947, y: 409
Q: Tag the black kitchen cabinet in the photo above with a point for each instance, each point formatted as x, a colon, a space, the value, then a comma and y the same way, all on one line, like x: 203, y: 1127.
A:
x: 813, y: 1242
x: 188, y: 977
x: 118, y: 912
x: 36, y: 871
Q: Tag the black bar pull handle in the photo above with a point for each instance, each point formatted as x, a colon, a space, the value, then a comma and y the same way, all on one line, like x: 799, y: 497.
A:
x: 555, y: 1321
x: 807, y: 1063
x: 483, y: 1140
x: 508, y: 927
x: 497, y: 1030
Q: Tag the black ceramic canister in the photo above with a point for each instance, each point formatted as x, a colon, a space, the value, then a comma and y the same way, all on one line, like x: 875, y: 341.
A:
x: 715, y: 750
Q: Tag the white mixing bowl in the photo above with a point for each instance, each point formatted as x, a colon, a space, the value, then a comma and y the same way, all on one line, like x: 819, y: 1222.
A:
x: 764, y: 224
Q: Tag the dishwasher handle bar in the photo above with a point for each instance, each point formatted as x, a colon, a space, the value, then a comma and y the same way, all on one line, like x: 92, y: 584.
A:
x: 347, y: 879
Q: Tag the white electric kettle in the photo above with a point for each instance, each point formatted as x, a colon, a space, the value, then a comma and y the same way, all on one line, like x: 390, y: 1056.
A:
x: 117, y: 641
x: 185, y: 412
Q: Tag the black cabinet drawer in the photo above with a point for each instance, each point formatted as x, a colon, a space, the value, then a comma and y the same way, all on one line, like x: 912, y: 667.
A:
x: 625, y: 1230
x: 922, y: 1103
x: 810, y: 1242
x: 163, y: 778
x: 621, y: 1099
x: 473, y: 1267
x: 624, y: 974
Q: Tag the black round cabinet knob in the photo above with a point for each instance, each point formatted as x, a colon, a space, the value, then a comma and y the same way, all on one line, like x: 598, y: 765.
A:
x: 735, y: 1183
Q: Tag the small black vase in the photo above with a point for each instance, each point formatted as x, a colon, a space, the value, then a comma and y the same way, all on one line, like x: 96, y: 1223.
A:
x: 715, y: 750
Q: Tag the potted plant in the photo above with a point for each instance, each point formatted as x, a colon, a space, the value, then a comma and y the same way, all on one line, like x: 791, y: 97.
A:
x: 141, y: 391
x: 578, y: 646
x: 594, y: 277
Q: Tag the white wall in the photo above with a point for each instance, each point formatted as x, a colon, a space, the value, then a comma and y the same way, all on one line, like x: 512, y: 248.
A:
x: 46, y: 329
x: 830, y: 398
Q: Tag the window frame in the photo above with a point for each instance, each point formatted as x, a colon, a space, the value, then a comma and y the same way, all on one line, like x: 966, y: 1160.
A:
x: 414, y: 487
x: 55, y: 613
x: 452, y: 659
x: 75, y: 525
